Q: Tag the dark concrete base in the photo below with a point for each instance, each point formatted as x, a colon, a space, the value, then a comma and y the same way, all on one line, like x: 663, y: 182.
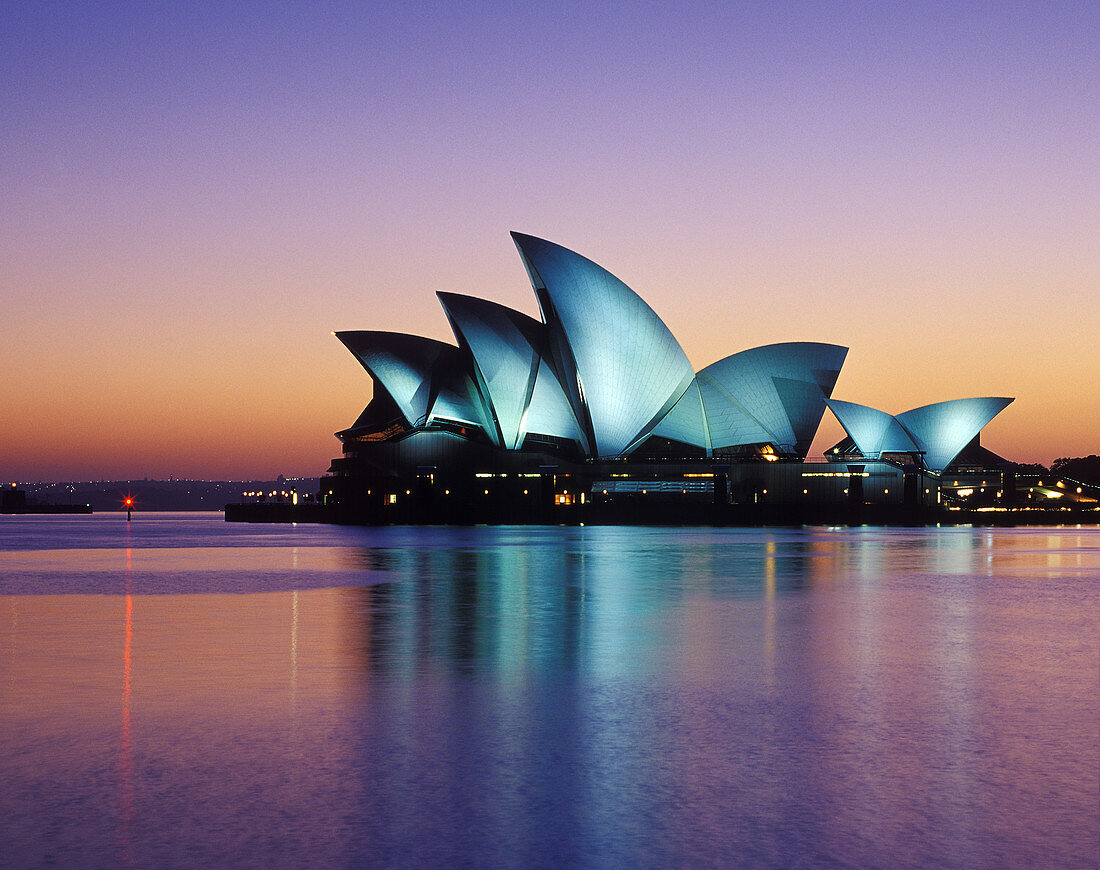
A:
x: 663, y: 514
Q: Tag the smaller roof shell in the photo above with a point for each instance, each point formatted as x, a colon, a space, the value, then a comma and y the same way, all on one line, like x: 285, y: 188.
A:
x: 427, y: 379
x: 936, y: 433
x: 401, y: 363
x: 942, y: 430
x: 874, y: 432
x: 505, y: 347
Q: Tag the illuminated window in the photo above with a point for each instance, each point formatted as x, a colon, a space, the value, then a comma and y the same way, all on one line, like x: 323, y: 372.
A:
x: 391, y: 498
x: 563, y: 498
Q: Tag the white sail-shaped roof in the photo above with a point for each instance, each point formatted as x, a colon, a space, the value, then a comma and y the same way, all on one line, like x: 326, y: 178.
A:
x: 505, y: 346
x: 401, y: 363
x: 455, y: 396
x: 622, y: 368
x: 686, y: 421
x: 936, y: 434
x: 771, y: 394
x: 604, y: 371
x: 550, y: 413
x: 427, y: 379
x: 874, y: 432
x: 942, y: 430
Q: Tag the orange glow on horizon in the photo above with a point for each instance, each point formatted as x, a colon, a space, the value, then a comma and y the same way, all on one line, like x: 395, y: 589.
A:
x: 926, y: 197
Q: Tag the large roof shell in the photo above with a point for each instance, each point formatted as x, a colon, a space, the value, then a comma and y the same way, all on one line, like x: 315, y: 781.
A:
x: 549, y: 412
x: 686, y: 421
x: 621, y: 366
x: 505, y: 347
x: 772, y: 394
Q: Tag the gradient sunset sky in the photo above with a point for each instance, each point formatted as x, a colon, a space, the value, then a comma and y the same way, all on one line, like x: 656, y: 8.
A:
x: 194, y: 197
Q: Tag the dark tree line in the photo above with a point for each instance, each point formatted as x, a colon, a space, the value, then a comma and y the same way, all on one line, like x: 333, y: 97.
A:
x: 1083, y: 468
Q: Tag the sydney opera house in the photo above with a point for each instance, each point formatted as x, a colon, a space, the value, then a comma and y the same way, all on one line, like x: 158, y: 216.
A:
x: 597, y: 403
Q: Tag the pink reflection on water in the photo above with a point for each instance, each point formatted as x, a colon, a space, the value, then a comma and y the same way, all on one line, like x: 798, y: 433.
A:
x: 126, y: 760
x: 766, y: 697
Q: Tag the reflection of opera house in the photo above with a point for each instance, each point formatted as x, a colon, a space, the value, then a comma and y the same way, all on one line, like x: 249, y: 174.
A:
x: 597, y: 405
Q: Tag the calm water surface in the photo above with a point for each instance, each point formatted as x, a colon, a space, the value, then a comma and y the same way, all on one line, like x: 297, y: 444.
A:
x: 179, y: 691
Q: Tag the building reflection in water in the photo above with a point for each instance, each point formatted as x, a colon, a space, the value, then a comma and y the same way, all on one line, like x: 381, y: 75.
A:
x: 754, y: 671
x: 597, y: 605
x: 536, y: 696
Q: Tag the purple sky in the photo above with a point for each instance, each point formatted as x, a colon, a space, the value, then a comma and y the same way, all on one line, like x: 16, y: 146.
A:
x: 193, y: 199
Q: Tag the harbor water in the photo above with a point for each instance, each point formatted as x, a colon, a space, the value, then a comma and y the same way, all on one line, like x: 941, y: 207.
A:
x: 179, y: 691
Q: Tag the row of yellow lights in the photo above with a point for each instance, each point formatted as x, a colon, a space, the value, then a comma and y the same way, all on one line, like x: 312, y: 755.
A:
x: 393, y: 495
x: 886, y: 491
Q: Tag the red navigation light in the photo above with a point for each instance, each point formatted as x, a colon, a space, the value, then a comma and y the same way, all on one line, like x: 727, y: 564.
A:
x: 128, y: 501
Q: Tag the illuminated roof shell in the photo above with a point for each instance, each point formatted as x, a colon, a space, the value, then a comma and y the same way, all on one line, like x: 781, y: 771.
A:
x: 505, y: 346
x: 935, y: 433
x: 455, y: 395
x: 686, y: 421
x: 874, y: 432
x: 942, y: 430
x: 604, y: 371
x: 401, y: 363
x: 771, y: 394
x: 620, y: 365
x: 549, y: 412
x: 427, y: 379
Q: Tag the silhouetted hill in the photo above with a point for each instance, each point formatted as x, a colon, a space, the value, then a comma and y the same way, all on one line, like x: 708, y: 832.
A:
x: 162, y: 495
